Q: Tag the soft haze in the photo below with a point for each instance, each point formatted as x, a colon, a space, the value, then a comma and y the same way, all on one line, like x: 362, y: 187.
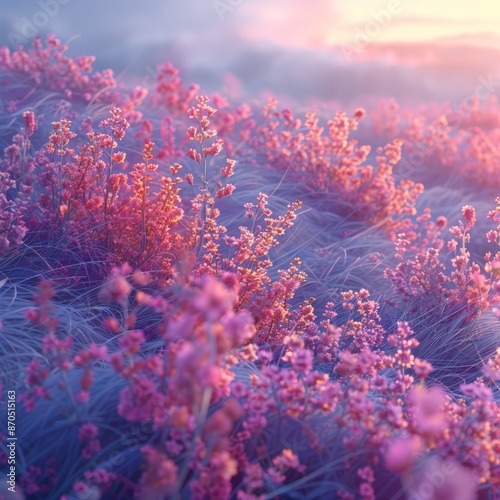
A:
x: 409, y: 49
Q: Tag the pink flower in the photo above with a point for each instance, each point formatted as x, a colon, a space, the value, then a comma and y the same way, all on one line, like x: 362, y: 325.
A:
x: 492, y: 236
x: 265, y: 357
x: 469, y: 214
x: 224, y: 191
x: 213, y: 299
x: 30, y: 122
x: 441, y: 222
x: 87, y: 431
x: 194, y: 155
x: 302, y: 360
x: 427, y: 410
x: 117, y: 288
x: 228, y: 170
x: 215, y: 148
x: 366, y: 474
x: 366, y: 491
x: 160, y: 477
x: 140, y: 402
x: 254, y: 477
x: 359, y: 113
x: 402, y: 453
x: 80, y: 487
x: 287, y: 460
x: 346, y: 363
x: 275, y: 476
x: 239, y: 327
x: 422, y: 368
x: 239, y: 390
x: 131, y: 342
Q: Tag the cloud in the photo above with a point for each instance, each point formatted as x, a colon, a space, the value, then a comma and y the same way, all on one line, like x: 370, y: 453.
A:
x: 277, y: 46
x: 440, y: 21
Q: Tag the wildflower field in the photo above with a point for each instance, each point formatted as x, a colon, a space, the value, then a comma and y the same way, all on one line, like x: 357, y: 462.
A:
x: 216, y: 296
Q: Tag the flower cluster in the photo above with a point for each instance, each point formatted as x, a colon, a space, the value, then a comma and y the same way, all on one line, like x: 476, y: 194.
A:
x: 171, y: 336
x: 334, y: 163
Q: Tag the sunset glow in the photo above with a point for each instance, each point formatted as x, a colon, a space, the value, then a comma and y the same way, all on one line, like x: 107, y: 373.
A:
x: 326, y: 22
x: 250, y: 250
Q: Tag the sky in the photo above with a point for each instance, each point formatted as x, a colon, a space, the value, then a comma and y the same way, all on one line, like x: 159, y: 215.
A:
x: 324, y: 49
